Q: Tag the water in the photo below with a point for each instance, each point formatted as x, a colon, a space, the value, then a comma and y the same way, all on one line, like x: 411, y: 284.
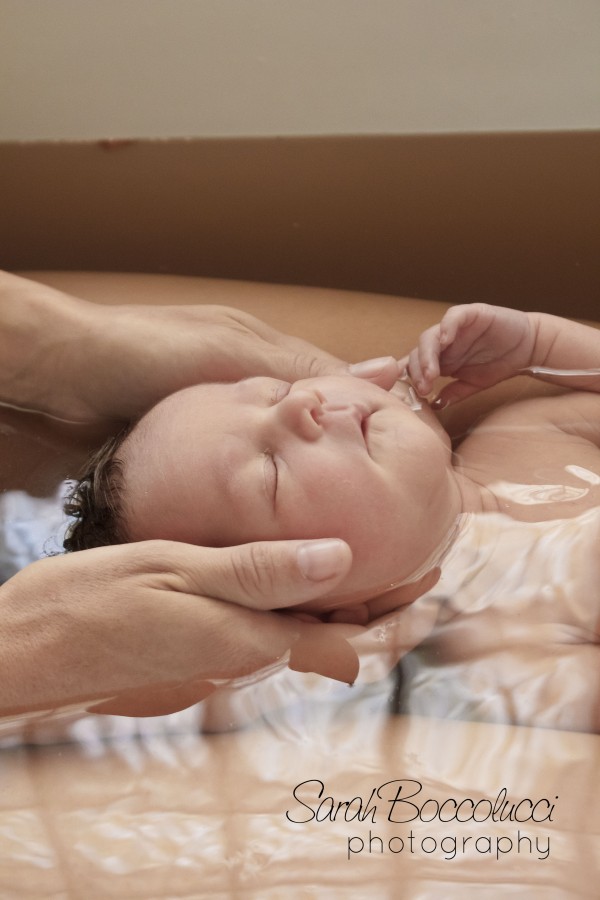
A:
x: 533, y: 526
x: 238, y: 796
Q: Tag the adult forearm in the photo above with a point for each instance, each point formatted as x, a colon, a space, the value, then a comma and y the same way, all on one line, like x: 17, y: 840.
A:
x: 90, y: 362
x: 41, y: 667
x: 155, y: 623
x: 42, y: 332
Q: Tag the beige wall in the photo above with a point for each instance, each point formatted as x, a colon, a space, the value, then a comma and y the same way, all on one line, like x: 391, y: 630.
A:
x: 143, y: 68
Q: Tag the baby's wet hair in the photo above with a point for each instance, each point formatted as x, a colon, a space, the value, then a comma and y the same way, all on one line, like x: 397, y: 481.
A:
x: 96, y: 500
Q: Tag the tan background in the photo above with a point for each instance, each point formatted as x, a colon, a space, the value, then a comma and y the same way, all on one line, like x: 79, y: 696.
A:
x: 445, y: 149
x: 154, y: 68
x: 505, y: 218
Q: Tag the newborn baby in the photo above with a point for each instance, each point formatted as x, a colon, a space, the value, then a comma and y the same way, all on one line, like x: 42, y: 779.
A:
x: 222, y: 464
x: 512, y: 517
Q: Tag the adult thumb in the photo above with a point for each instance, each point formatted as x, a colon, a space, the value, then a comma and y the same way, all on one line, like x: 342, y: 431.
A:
x: 265, y: 574
x: 294, y: 365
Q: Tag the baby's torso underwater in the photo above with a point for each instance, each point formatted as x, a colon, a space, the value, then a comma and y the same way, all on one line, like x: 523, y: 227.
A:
x: 517, y: 636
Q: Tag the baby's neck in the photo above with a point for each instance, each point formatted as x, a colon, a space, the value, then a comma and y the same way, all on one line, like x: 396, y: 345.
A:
x: 467, y: 496
x: 474, y: 497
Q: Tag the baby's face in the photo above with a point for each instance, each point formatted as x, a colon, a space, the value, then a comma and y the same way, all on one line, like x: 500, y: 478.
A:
x: 225, y: 464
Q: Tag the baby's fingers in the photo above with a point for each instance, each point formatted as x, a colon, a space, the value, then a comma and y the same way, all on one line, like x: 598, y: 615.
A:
x: 454, y: 392
x: 456, y: 319
x: 424, y: 361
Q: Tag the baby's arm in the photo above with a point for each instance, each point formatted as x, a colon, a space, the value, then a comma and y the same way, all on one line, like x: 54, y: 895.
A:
x: 480, y: 345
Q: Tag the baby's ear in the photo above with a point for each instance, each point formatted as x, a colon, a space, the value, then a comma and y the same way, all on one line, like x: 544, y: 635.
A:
x: 403, y: 595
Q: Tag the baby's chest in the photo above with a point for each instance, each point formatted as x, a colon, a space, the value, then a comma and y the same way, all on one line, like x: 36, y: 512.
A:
x: 514, y: 583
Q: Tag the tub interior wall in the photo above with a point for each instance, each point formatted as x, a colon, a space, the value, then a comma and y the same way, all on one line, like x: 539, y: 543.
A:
x: 504, y: 218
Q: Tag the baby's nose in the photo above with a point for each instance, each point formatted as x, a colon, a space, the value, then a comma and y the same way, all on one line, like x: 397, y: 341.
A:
x: 301, y: 411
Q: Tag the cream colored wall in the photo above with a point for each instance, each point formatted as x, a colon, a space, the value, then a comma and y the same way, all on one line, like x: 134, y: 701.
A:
x: 153, y: 68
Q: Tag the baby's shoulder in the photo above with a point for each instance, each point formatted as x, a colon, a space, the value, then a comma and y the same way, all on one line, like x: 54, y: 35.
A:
x: 574, y: 413
x: 551, y: 443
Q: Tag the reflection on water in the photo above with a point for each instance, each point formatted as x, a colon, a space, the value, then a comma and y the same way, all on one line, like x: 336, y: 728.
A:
x: 517, y: 638
x: 509, y: 634
x: 537, y: 494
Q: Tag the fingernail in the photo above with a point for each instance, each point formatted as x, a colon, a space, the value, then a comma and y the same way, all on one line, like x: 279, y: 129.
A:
x: 320, y: 560
x: 439, y: 403
x: 370, y: 368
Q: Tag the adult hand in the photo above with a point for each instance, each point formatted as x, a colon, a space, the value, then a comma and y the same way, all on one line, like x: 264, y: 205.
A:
x: 147, y: 628
x: 92, y: 363
x: 163, y: 349
x: 397, y: 622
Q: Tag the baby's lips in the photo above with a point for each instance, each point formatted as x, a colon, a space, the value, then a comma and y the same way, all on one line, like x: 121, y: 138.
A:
x: 326, y: 653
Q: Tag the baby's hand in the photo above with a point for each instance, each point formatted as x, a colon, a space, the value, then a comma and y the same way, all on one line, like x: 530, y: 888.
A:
x: 477, y: 344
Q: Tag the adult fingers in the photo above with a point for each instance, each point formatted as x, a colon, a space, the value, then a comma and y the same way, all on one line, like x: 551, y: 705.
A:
x: 321, y: 649
x: 391, y: 636
x: 383, y: 371
x: 301, y: 359
x: 270, y: 575
x: 154, y: 701
x: 325, y: 650
x: 293, y: 365
x: 263, y: 575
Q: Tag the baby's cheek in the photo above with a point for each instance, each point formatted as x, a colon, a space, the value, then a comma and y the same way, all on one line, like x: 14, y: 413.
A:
x: 340, y: 503
x: 336, y: 497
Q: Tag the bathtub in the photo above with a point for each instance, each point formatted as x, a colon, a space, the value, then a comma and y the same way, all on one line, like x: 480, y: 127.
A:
x: 327, y: 791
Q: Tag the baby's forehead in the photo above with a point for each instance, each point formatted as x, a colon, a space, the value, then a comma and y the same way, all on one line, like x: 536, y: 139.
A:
x: 196, y: 435
x: 191, y: 400
x: 246, y: 388
x: 165, y: 443
x: 214, y: 395
x: 200, y: 401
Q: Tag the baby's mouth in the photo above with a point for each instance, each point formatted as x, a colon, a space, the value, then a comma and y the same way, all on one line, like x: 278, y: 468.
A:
x: 364, y: 426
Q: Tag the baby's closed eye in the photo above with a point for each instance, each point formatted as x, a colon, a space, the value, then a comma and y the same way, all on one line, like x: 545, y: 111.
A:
x: 271, y: 475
